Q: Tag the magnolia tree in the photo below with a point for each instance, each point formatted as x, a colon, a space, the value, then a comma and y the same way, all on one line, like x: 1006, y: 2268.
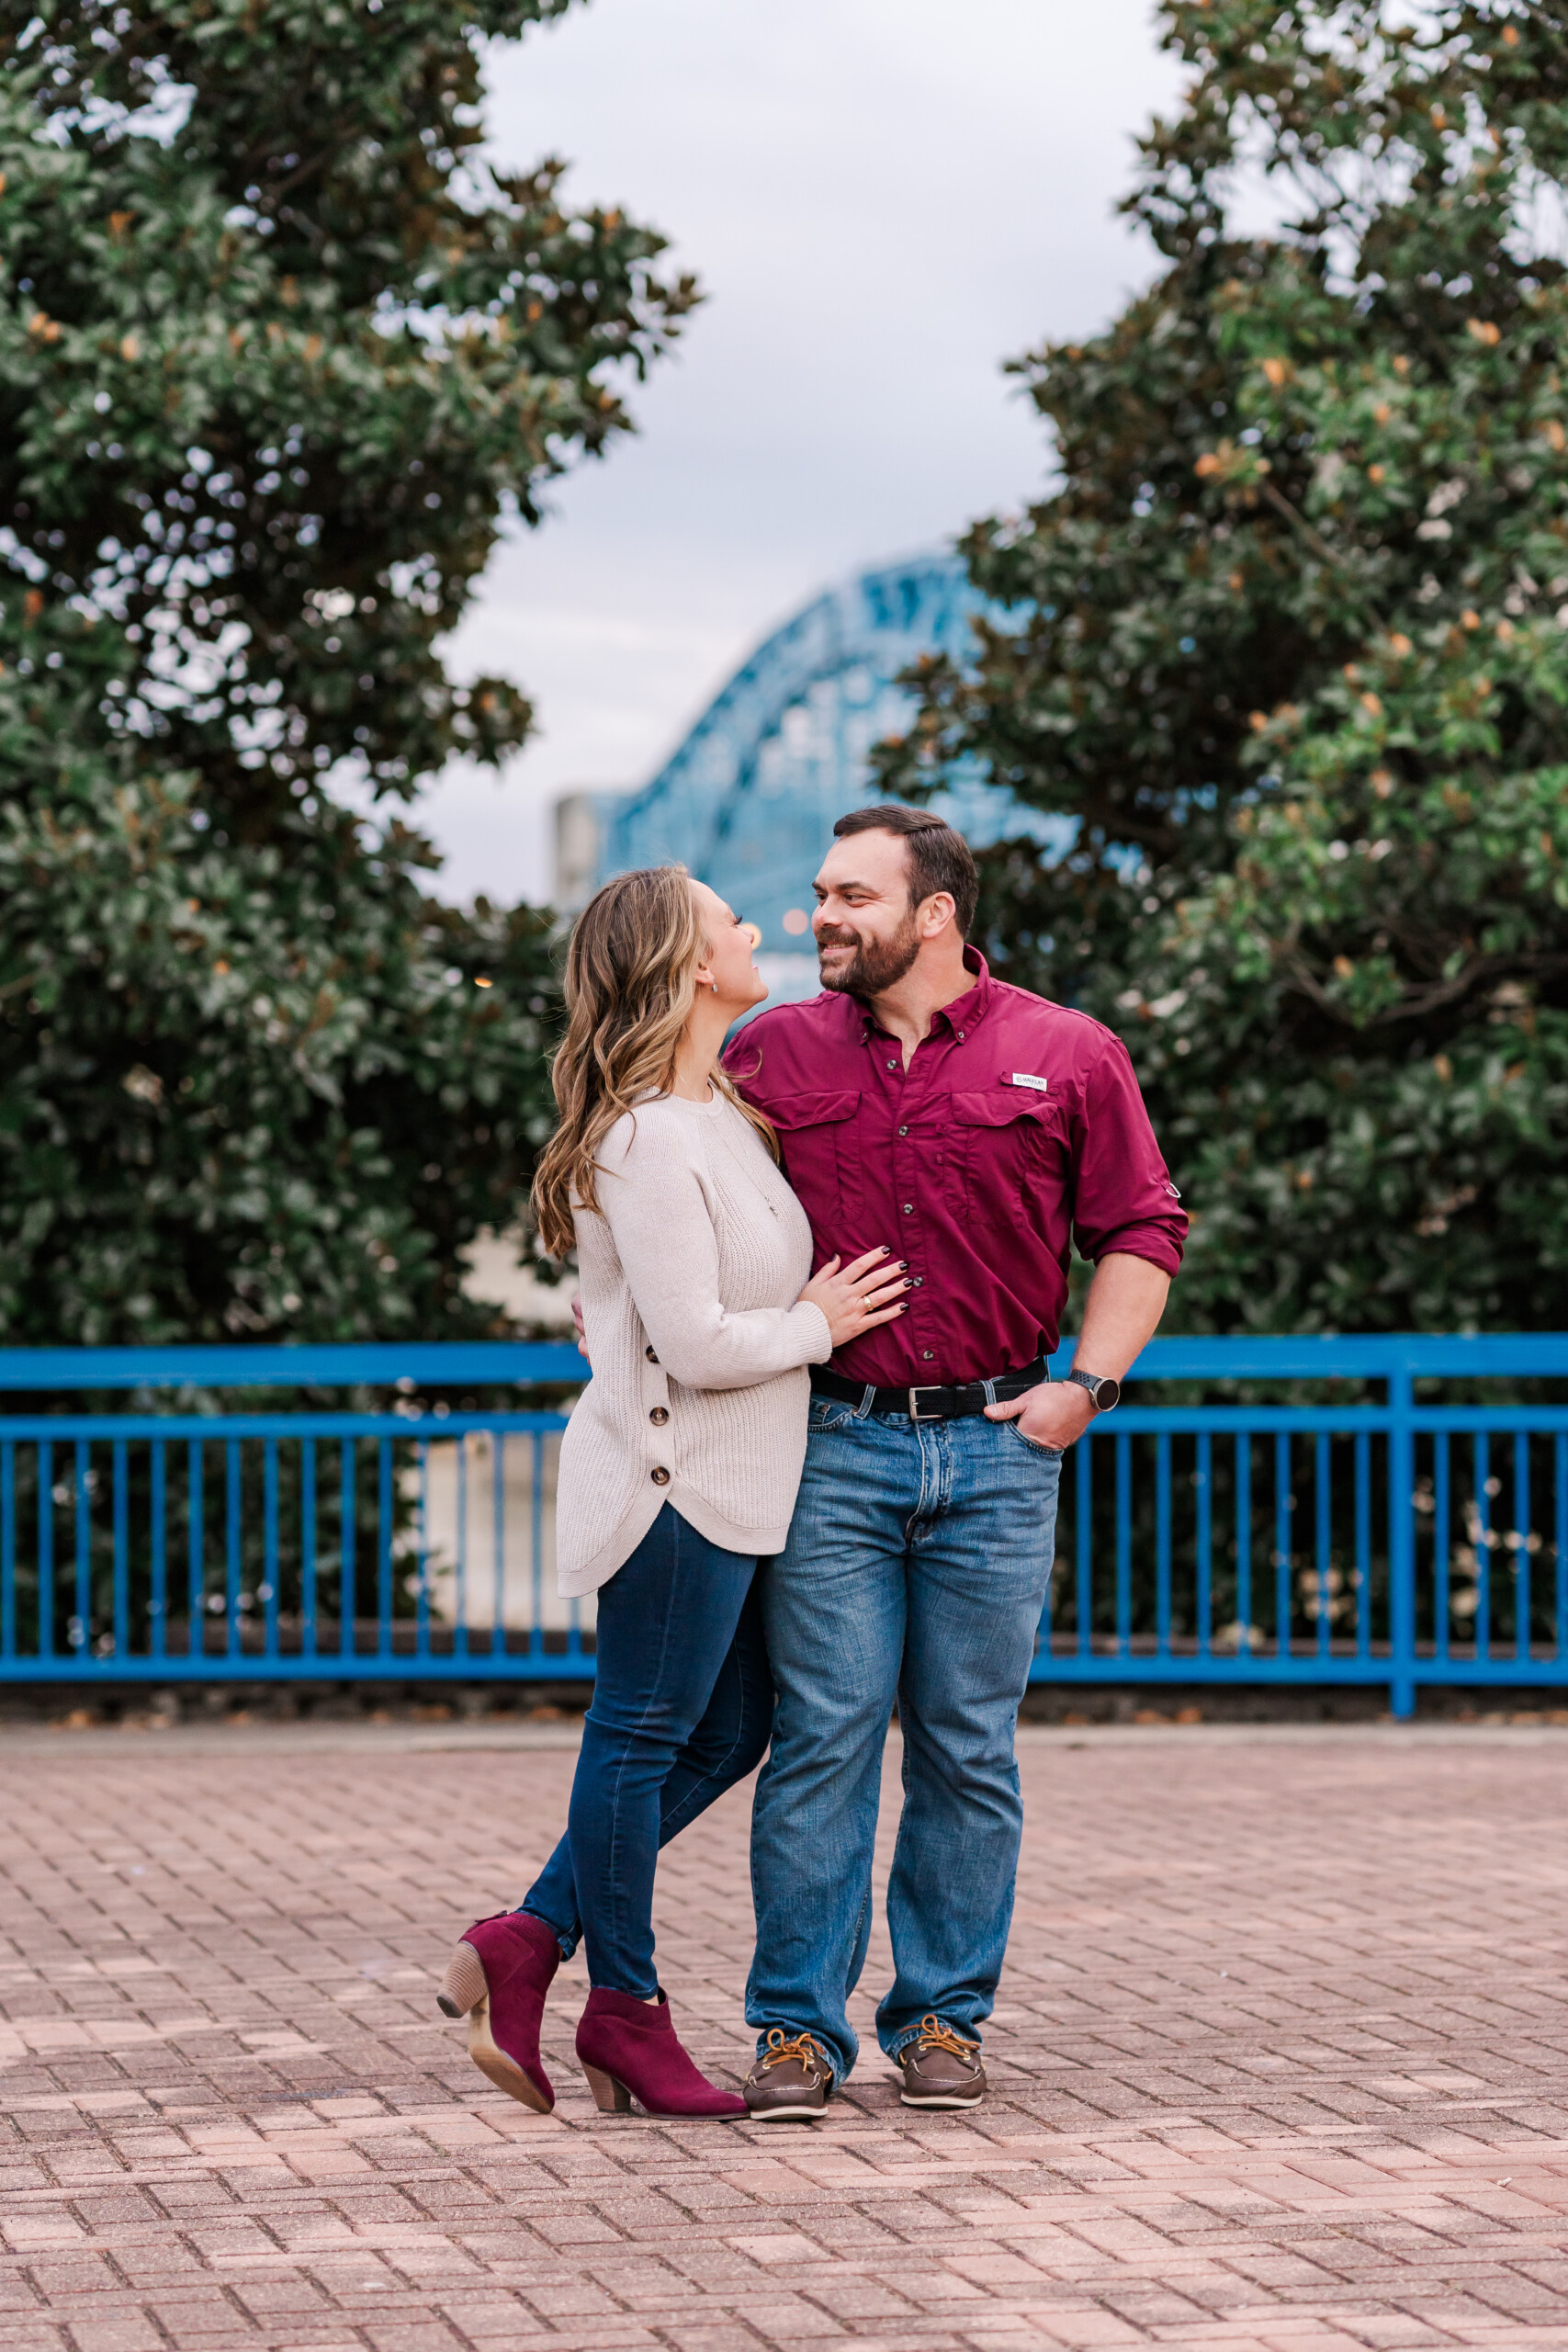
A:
x: 283, y: 356
x: 1290, y: 640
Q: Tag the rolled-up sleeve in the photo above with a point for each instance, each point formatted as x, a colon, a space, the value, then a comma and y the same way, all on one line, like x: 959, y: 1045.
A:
x: 1123, y: 1199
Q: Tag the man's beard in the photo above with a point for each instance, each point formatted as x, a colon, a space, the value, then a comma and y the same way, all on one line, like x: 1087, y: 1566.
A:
x: 876, y: 964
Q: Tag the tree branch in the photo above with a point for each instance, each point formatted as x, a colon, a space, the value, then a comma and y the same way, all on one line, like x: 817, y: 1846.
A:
x: 1415, y: 1006
x: 1294, y: 516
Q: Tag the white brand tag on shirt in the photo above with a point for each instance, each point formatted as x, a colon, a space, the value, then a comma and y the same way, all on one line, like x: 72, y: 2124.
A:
x: 1025, y: 1077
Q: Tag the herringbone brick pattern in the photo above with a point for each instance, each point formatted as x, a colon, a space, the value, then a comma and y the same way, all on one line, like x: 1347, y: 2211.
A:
x: 1282, y: 2061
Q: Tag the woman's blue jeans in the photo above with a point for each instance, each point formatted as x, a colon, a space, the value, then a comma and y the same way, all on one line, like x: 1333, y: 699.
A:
x: 682, y: 1707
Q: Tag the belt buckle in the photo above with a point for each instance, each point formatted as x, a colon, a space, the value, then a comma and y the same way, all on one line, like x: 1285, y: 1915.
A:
x: 915, y: 1412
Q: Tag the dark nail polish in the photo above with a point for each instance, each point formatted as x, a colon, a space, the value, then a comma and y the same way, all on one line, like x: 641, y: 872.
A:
x: 902, y: 1265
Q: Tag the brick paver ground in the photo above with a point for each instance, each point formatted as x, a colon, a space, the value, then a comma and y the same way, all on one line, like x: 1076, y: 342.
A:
x: 1279, y: 2062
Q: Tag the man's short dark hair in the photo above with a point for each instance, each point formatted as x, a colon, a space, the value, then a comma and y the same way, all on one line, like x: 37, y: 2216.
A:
x: 939, y: 858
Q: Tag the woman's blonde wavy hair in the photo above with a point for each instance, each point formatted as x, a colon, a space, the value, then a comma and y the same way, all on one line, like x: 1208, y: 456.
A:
x: 631, y: 982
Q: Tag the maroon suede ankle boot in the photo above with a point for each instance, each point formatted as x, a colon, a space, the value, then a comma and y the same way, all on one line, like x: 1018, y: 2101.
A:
x: 628, y: 2050
x: 498, y: 1978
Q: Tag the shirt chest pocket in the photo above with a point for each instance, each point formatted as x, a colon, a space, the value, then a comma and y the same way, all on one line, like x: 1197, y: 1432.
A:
x: 817, y: 1133
x: 1007, y: 1144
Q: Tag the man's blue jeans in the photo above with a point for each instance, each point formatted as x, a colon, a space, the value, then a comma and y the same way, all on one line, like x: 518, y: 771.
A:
x: 681, y: 1705
x: 917, y: 1567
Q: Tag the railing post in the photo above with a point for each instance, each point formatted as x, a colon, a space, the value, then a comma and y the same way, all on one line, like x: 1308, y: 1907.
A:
x: 1400, y: 1546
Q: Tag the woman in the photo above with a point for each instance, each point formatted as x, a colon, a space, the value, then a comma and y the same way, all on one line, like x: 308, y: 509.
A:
x: 678, y: 1469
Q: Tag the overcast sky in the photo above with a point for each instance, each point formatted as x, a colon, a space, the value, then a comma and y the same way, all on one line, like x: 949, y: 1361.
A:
x: 883, y: 200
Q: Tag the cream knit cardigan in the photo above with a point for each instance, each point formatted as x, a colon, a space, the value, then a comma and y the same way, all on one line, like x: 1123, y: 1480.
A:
x: 691, y: 1279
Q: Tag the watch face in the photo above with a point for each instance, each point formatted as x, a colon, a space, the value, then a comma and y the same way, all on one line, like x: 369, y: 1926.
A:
x: 1107, y: 1393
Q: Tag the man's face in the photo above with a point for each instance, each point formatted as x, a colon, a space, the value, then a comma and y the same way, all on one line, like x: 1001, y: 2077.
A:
x: 867, y: 935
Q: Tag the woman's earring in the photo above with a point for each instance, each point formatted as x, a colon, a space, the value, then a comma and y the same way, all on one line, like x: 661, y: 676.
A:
x: 714, y: 985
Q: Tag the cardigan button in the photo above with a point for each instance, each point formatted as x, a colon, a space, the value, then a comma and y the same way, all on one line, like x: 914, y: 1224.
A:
x: 650, y: 1355
x: 659, y: 1416
x: 661, y: 1478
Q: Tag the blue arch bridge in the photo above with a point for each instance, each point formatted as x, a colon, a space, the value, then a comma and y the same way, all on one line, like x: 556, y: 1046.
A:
x: 749, y: 798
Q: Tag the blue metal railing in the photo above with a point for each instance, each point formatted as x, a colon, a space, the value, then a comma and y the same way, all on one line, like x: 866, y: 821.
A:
x: 1397, y: 1542
x: 283, y: 1545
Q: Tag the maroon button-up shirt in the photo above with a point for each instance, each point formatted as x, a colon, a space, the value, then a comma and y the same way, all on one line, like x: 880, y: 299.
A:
x: 1017, y: 1127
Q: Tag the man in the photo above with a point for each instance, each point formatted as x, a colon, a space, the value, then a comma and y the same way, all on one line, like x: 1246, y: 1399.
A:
x: 977, y: 1129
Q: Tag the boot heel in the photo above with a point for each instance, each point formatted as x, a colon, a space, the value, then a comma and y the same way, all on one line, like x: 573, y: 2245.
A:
x: 463, y: 1987
x: 610, y: 2096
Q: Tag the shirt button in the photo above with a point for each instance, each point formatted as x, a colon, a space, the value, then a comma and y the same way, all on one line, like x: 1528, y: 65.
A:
x: 908, y: 1209
x: 650, y: 1355
x: 918, y: 1281
x: 903, y: 1131
x: 659, y: 1416
x: 926, y: 1355
x: 661, y: 1478
x: 961, y: 1036
x: 892, y: 1065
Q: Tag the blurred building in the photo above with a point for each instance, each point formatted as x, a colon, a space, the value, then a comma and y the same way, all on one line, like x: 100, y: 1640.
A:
x: 747, y: 801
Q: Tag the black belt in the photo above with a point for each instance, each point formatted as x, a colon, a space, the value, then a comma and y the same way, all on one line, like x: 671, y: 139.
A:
x: 931, y: 1404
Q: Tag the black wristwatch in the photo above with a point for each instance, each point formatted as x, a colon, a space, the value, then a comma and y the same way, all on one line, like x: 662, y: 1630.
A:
x: 1102, y: 1393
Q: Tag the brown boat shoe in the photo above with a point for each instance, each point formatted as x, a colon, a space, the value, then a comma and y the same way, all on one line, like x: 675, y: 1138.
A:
x: 790, y: 2081
x: 941, y: 2068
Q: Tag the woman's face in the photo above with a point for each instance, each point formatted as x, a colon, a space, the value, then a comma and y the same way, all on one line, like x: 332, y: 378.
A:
x: 728, y: 959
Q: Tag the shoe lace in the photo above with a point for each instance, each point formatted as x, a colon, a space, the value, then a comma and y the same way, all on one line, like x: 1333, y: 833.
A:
x: 781, y: 2047
x: 934, y: 2035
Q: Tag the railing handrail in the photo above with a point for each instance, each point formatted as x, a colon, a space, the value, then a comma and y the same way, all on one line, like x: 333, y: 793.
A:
x: 442, y: 1363
x: 1452, y: 1355
x: 456, y: 1363
x: 1130, y: 1421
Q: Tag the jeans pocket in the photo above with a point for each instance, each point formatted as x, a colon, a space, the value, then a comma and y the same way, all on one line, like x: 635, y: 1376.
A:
x: 1045, y: 1453
x: 826, y: 1416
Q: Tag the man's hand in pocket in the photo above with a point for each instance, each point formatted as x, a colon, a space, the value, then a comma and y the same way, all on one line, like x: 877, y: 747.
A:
x: 1056, y: 1413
